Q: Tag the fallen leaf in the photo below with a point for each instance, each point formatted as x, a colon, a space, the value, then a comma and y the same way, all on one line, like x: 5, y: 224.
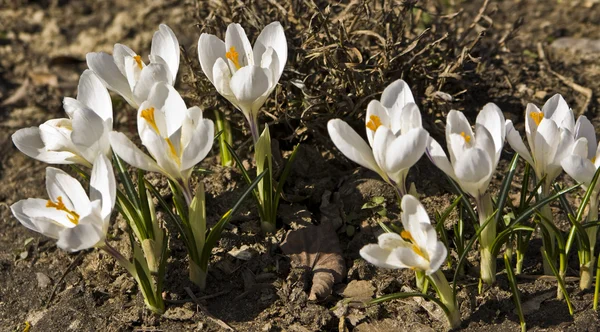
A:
x: 359, y: 291
x: 316, y: 249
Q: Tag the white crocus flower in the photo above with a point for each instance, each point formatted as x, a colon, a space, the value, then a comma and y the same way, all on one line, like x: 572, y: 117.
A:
x: 396, y: 136
x: 77, y: 221
x: 125, y: 73
x: 417, y: 247
x: 473, y: 155
x: 581, y: 164
x: 243, y: 74
x: 549, y: 134
x: 176, y: 137
x: 78, y: 139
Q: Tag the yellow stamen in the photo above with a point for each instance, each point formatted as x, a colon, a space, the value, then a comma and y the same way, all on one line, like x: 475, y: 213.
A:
x: 593, y: 160
x: 374, y: 122
x: 234, y: 57
x: 60, y: 206
x: 173, y: 151
x: 537, y: 117
x: 466, y: 137
x: 138, y: 60
x: 148, y: 115
x: 408, y: 237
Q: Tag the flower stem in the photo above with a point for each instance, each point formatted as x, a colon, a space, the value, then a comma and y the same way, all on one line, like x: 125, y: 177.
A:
x: 446, y: 295
x: 487, y: 237
x: 197, y: 275
x: 586, y: 269
x: 224, y: 127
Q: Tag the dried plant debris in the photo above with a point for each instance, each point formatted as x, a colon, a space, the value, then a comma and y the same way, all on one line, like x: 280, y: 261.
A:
x: 316, y: 249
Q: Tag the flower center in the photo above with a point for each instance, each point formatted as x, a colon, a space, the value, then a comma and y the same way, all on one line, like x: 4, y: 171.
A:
x: 408, y: 237
x: 138, y: 60
x: 466, y: 137
x: 374, y: 122
x: 537, y: 117
x: 234, y: 57
x: 60, y: 206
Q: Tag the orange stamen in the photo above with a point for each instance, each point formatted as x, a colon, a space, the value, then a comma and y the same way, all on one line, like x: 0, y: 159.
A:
x: 60, y: 206
x: 466, y: 137
x: 537, y: 117
x: 374, y: 122
x: 138, y: 60
x: 234, y: 57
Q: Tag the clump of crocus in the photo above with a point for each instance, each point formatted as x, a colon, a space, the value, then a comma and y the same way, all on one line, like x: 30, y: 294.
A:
x: 418, y: 248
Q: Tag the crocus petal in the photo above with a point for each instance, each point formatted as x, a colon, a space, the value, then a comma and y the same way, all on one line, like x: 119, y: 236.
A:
x: 579, y: 168
x: 174, y: 107
x: 236, y: 37
x: 376, y: 115
x: 200, y: 144
x: 473, y: 171
x: 584, y: 128
x: 61, y: 184
x: 409, y: 117
x: 103, y: 185
x: 105, y: 68
x: 391, y: 241
x: 248, y: 84
x: 150, y: 75
x: 272, y: 36
x: 546, y: 144
x: 88, y: 134
x: 166, y: 45
x: 408, y: 257
x: 438, y: 157
x: 29, y: 141
x: 556, y: 109
x: 516, y: 143
x: 485, y: 142
x: 405, y: 150
x: 160, y: 150
x: 38, y: 222
x: 92, y: 93
x: 121, y: 51
x: 531, y: 125
x: 222, y: 78
x: 210, y: 49
x: 492, y: 119
x: 563, y: 150
x: 397, y: 95
x: 131, y: 154
x: 383, y: 138
x: 380, y: 257
x: 351, y: 144
x: 84, y: 236
x: 457, y: 123
x: 437, y: 256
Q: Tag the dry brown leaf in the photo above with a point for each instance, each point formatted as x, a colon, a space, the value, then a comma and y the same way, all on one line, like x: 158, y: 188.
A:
x: 317, y: 249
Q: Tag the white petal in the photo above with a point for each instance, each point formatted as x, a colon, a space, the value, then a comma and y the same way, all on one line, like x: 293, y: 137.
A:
x: 200, y: 145
x: 405, y: 150
x: 121, y: 51
x: 131, y: 154
x: 397, y: 95
x: 236, y: 37
x: 531, y: 125
x: 165, y: 97
x: 473, y: 171
x: 103, y: 185
x: 36, y: 222
x: 438, y: 157
x: 584, y: 128
x: 405, y: 119
x: 351, y: 144
x: 92, y: 93
x: 579, y: 168
x: 556, y: 108
x: 272, y: 36
x: 29, y: 141
x: 133, y: 72
x: 456, y: 123
x: 84, y: 236
x: 408, y: 257
x: 564, y: 149
x: 160, y: 150
x: 382, y: 140
x: 484, y: 141
x: 150, y: 75
x: 210, y: 49
x: 379, y: 257
x: 437, y: 256
x: 376, y: 111
x: 546, y: 144
x: 391, y: 241
x: 61, y: 184
x: 492, y: 119
x: 105, y: 68
x: 222, y: 78
x: 516, y: 143
x: 249, y: 83
x: 413, y: 213
x: 165, y: 45
x: 88, y: 134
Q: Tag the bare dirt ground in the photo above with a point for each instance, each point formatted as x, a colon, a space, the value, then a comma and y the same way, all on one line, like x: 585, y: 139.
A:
x: 454, y: 54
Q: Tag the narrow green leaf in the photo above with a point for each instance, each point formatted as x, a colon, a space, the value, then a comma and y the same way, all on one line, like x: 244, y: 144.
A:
x: 512, y: 280
x: 397, y: 296
x: 284, y: 175
x: 144, y: 208
x: 505, y: 187
x: 126, y: 181
x: 561, y: 282
x: 587, y: 196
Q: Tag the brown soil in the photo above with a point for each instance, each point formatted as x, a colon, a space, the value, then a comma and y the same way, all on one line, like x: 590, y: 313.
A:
x: 341, y: 56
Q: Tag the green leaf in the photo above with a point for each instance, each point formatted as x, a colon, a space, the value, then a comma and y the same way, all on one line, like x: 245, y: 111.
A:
x: 144, y: 208
x: 505, y: 187
x: 587, y: 196
x: 512, y: 280
x: 397, y: 296
x: 126, y: 182
x: 215, y: 233
x: 561, y: 282
x: 284, y: 175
